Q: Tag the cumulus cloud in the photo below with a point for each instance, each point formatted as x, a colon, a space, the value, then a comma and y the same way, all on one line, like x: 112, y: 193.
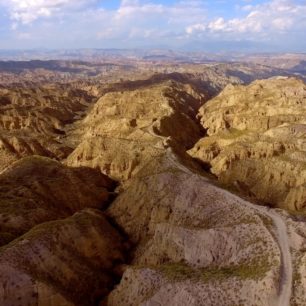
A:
x: 149, y: 22
x: 198, y: 27
x: 26, y: 11
x: 276, y: 16
x: 130, y: 8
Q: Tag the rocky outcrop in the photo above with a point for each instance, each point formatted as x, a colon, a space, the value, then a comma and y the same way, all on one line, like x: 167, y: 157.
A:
x: 198, y: 244
x: 41, y: 100
x: 63, y: 234
x: 33, y: 120
x: 256, y: 140
x: 125, y: 130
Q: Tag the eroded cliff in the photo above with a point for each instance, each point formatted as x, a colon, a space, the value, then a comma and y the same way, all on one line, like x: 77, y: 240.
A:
x: 256, y: 140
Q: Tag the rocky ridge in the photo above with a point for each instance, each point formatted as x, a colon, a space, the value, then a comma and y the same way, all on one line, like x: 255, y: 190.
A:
x: 193, y: 242
x: 256, y: 140
x: 125, y: 130
x: 33, y: 120
x: 41, y: 100
x: 174, y: 216
x: 57, y: 247
x: 198, y: 245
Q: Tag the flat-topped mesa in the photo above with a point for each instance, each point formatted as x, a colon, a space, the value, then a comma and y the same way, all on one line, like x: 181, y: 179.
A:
x: 124, y: 130
x: 257, y: 137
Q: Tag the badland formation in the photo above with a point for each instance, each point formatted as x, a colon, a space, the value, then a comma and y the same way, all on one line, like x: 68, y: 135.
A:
x: 153, y: 179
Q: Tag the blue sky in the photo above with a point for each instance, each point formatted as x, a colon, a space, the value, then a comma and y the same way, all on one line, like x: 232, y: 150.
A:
x: 216, y: 25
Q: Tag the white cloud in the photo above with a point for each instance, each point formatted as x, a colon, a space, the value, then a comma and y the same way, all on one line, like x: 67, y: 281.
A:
x: 26, y: 11
x: 198, y: 27
x: 144, y: 22
x: 130, y: 9
x: 248, y: 7
x: 276, y: 16
x: 217, y: 25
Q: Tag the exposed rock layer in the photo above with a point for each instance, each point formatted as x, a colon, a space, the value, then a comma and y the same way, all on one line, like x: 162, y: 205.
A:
x: 194, y: 243
x: 33, y: 120
x: 257, y: 140
x: 125, y: 130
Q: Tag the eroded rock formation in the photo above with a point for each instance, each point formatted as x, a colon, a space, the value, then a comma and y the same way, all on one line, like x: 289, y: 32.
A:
x: 33, y: 120
x: 198, y: 244
x: 177, y: 236
x: 256, y: 140
x: 57, y: 247
x: 125, y: 130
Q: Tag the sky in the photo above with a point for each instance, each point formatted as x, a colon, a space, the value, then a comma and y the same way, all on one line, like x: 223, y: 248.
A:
x: 189, y: 25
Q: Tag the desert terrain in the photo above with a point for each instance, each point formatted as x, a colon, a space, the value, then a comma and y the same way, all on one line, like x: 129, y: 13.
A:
x: 152, y: 178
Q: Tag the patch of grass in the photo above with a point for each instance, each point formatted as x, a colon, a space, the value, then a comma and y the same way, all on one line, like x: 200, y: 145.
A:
x: 300, y: 214
x: 246, y: 219
x: 267, y: 221
x: 180, y: 271
x: 233, y: 133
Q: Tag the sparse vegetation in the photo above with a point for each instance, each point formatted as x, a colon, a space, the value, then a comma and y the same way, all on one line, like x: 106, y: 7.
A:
x: 180, y: 272
x: 232, y: 133
x: 134, y: 122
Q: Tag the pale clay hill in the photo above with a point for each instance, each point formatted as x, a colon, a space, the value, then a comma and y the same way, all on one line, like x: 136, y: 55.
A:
x: 173, y: 235
x: 32, y: 120
x: 38, y: 105
x: 257, y: 137
x: 126, y: 130
x: 200, y: 245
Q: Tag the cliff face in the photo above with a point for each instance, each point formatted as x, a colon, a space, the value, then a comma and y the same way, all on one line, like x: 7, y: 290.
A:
x: 256, y: 140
